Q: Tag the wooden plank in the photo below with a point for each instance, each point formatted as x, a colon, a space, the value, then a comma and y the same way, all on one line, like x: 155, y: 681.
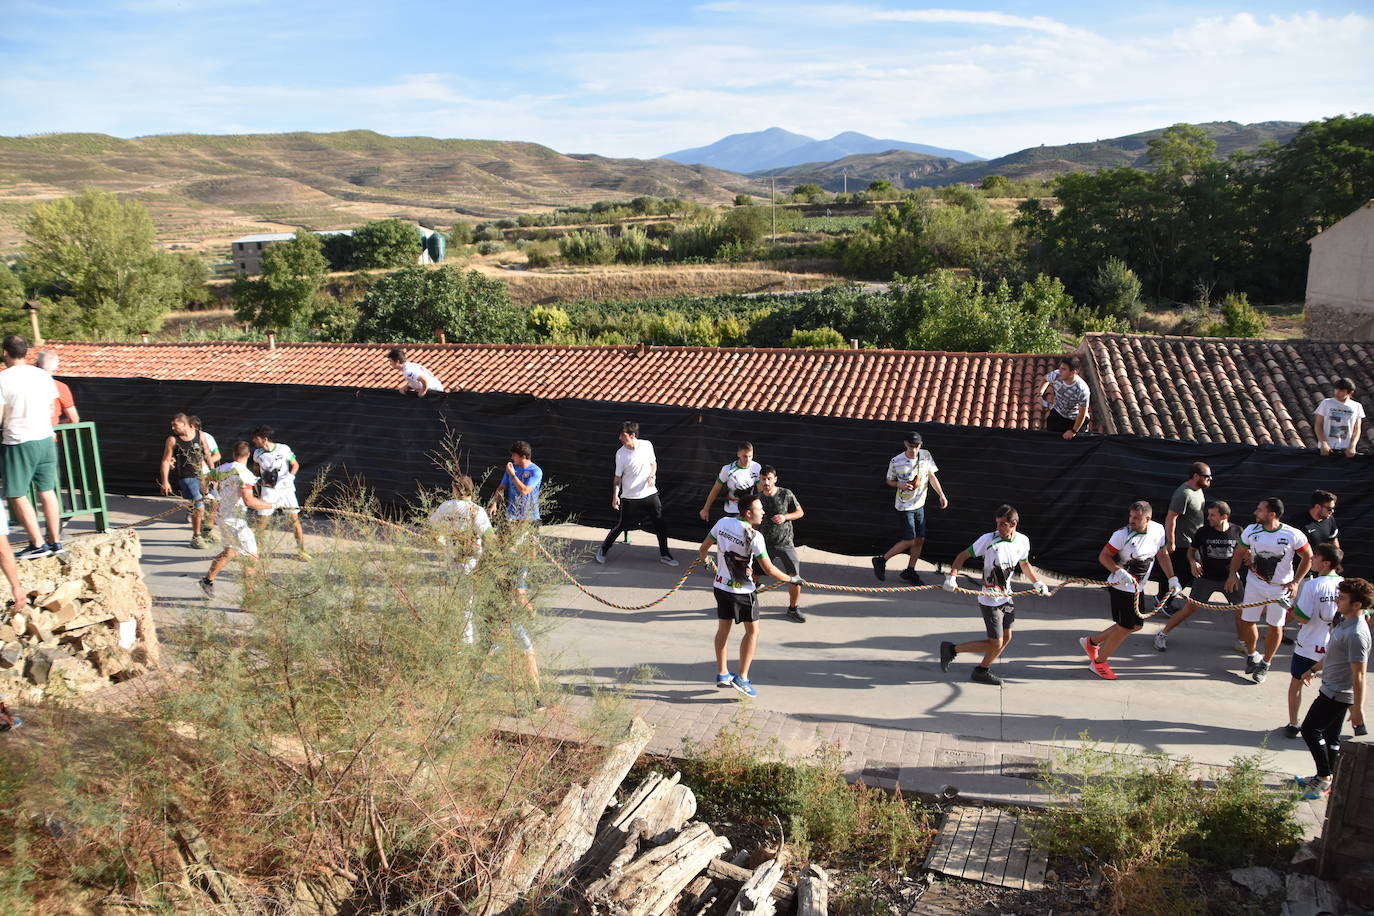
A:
x: 944, y: 840
x: 1018, y: 859
x: 967, y: 833
x: 980, y: 847
x: 1035, y: 872
x: 724, y: 871
x: 1000, y: 848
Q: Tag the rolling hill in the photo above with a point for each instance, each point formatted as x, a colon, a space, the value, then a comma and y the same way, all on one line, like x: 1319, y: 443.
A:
x: 204, y: 190
x: 776, y: 148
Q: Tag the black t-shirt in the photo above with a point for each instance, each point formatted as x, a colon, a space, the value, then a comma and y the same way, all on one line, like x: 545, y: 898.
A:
x: 1318, y: 532
x: 1215, y: 549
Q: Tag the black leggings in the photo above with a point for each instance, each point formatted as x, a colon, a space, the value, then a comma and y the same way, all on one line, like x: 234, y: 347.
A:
x: 632, y: 513
x: 1321, y: 729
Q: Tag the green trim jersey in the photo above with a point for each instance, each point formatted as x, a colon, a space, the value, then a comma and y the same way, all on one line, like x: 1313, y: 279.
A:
x: 233, y: 476
x: 1271, y: 552
x: 736, y: 479
x: 1001, y: 558
x: 1135, y: 552
x: 1316, y: 608
x: 737, y: 544
x: 905, y: 470
x: 278, y: 459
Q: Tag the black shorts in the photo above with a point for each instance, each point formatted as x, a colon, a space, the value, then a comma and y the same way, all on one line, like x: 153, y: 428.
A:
x: 1124, y: 609
x: 784, y: 558
x: 739, y: 608
x: 998, y: 619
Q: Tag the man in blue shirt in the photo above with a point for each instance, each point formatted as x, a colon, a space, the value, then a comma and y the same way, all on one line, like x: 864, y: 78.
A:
x: 520, y: 484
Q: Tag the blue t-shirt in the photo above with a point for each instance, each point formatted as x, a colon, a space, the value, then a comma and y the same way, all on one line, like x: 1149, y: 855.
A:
x: 523, y: 505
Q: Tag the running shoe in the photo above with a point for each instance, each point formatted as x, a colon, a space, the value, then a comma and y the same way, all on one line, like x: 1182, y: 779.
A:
x: 1104, y: 671
x: 198, y: 543
x: 1088, y: 647
x: 1292, y: 731
x: 1161, y: 641
x: 947, y: 654
x: 1165, y: 609
x: 1250, y: 665
x: 743, y: 686
x: 31, y: 552
x: 601, y: 556
x: 303, y: 556
x: 1240, y: 648
x: 880, y: 568
x: 796, y: 614
x: 55, y: 549
x: 1261, y: 672
x: 1314, y: 787
x: 210, y: 535
x: 666, y: 561
x: 207, y: 588
x: 911, y: 575
x: 984, y: 676
x: 725, y: 680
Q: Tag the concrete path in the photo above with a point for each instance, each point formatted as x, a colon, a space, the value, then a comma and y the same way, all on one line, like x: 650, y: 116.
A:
x: 863, y: 670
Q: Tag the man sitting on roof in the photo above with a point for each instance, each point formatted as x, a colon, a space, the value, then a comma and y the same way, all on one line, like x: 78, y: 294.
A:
x: 419, y: 381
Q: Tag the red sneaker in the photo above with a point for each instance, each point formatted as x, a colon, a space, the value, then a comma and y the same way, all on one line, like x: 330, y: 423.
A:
x: 1088, y: 647
x: 1104, y: 671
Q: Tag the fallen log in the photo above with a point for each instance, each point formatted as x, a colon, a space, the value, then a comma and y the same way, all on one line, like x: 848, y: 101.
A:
x: 813, y: 892
x: 724, y: 871
x: 648, y: 884
x: 755, y: 897
x: 660, y: 805
x: 544, y: 846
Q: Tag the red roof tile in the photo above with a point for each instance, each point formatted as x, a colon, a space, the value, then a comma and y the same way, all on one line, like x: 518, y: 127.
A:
x: 974, y: 389
x: 1260, y: 392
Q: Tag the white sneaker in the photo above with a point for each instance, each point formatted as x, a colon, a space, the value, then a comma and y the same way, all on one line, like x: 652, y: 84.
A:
x: 600, y: 556
x: 1239, y: 648
x: 668, y: 561
x: 1161, y: 641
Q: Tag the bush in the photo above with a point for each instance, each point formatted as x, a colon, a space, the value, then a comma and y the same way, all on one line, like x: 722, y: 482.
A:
x: 410, y: 304
x: 488, y: 233
x: 550, y: 324
x: 486, y: 247
x: 592, y: 246
x: 1238, y: 318
x: 1116, y: 291
x: 541, y: 255
x: 744, y: 200
x: 632, y: 247
x: 460, y: 234
x: 816, y: 339
x: 385, y: 244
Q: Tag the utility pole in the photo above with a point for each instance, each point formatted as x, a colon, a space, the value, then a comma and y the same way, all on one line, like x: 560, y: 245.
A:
x: 845, y: 173
x: 773, y: 199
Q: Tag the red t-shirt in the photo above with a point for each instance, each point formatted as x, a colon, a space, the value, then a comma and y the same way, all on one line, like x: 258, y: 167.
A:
x: 63, y: 401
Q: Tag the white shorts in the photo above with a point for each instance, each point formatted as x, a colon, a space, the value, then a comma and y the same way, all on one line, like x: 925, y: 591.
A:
x: 238, y: 534
x: 1273, y: 614
x: 284, y: 500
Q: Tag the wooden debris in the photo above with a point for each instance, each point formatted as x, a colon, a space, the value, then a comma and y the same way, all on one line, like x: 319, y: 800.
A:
x: 755, y: 897
x: 724, y: 871
x: 659, y: 805
x: 813, y: 892
x: 648, y: 884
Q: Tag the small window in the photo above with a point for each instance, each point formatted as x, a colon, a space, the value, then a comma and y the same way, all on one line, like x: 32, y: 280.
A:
x: 259, y: 246
x: 242, y: 266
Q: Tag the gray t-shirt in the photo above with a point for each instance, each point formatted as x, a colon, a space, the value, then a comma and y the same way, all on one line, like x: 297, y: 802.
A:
x: 1188, y: 503
x: 1349, y: 645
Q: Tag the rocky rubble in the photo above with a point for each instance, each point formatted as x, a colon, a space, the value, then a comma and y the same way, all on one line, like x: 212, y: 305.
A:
x: 89, y: 621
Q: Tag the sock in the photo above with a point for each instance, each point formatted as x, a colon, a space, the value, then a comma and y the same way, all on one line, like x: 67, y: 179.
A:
x: 1256, y: 657
x: 982, y: 668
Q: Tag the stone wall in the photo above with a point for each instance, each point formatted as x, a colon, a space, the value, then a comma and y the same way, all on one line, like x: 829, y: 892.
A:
x: 1334, y: 322
x: 89, y: 622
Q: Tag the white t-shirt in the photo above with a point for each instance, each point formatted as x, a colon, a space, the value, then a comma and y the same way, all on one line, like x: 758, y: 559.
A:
x: 1316, y: 608
x: 414, y: 372
x: 737, y: 479
x: 737, y: 544
x: 211, y: 446
x: 1271, y: 552
x: 1135, y: 552
x: 634, y: 467
x: 1001, y: 559
x: 1338, y: 420
x: 907, y: 469
x: 462, y: 522
x: 233, y: 477
x: 278, y: 459
x: 26, y: 396
x: 1068, y: 396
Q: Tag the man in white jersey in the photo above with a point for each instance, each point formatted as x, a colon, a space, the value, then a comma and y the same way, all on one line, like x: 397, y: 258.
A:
x: 738, y: 477
x: 417, y: 381
x: 236, y: 498
x: 912, y: 475
x: 1268, y: 548
x: 1315, y: 611
x: 1003, y: 551
x: 277, y: 468
x: 738, y: 546
x: 1129, y: 555
x: 634, y: 492
x: 461, y: 526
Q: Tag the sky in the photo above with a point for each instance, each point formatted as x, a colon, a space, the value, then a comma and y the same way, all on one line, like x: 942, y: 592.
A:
x: 645, y: 78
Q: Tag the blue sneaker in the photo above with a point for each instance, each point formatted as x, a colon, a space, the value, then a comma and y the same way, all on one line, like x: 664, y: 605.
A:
x: 1315, y: 787
x: 743, y: 686
x: 725, y: 680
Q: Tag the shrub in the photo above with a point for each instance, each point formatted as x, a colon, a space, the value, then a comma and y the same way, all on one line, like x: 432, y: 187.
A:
x: 460, y: 234
x: 693, y: 240
x: 591, y: 246
x: 489, y: 247
x: 488, y: 233
x: 880, y: 186
x: 1116, y: 291
x: 550, y: 324
x: 632, y: 247
x: 506, y: 223
x: 1238, y: 318
x: 744, y: 200
x: 540, y: 255
x: 815, y: 339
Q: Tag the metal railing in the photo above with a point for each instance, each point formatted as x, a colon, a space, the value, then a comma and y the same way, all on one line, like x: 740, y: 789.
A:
x: 80, y: 482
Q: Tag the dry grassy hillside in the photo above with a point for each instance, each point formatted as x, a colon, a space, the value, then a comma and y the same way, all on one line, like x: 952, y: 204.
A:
x: 205, y: 190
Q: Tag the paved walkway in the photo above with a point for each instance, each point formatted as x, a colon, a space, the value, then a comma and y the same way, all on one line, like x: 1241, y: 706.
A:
x: 863, y: 671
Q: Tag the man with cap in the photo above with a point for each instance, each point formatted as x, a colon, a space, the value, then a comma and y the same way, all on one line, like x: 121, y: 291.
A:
x: 912, y: 475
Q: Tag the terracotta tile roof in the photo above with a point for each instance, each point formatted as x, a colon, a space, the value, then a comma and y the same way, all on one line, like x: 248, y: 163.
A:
x: 1259, y: 392
x: 973, y: 389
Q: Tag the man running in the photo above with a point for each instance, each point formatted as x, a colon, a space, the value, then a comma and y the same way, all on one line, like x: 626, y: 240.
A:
x: 738, y: 544
x: 912, y: 475
x: 1268, y: 548
x: 634, y: 492
x: 461, y: 527
x: 1209, y: 560
x: 277, y: 468
x: 1181, y: 522
x: 520, y: 484
x: 1129, y: 555
x: 1003, y: 551
x: 780, y: 510
x: 185, y: 456
x: 1343, y: 682
x: 1316, y: 610
x: 737, y: 477
x: 1068, y: 412
x: 236, y: 498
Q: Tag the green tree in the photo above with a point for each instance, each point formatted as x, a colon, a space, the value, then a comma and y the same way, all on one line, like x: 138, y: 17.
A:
x: 385, y: 244
x: 93, y: 256
x: 815, y: 339
x: 591, y: 246
x: 410, y: 304
x: 941, y: 311
x: 881, y: 186
x: 460, y: 234
x: 193, y: 274
x: 13, y: 319
x: 284, y: 296
x: 1181, y: 151
x: 1238, y: 318
x: 1116, y: 291
x: 810, y: 192
x: 550, y: 324
x: 744, y: 200
x: 996, y: 185
x: 338, y: 250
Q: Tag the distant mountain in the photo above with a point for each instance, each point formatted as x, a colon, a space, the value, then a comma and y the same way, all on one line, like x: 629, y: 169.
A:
x: 776, y: 148
x: 910, y: 170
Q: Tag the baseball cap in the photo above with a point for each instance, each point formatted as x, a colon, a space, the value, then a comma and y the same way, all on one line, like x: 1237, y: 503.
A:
x: 913, y: 437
